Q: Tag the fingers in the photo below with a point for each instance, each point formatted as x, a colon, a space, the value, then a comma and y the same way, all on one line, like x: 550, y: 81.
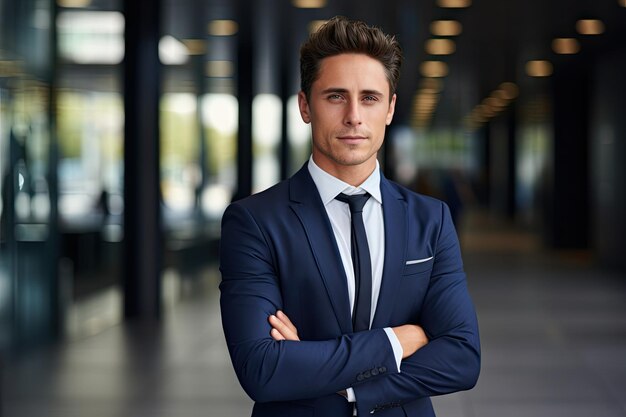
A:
x: 280, y: 330
x: 276, y: 335
x: 282, y: 327
x: 283, y: 317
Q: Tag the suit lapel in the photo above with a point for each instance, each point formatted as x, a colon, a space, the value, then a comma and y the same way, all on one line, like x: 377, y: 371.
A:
x: 396, y: 227
x: 306, y: 203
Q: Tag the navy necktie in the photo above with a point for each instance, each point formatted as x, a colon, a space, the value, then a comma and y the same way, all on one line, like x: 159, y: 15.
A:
x: 360, y: 261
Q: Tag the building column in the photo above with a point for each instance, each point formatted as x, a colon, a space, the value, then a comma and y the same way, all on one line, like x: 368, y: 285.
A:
x: 142, y: 225
x: 245, y: 94
x: 568, y: 217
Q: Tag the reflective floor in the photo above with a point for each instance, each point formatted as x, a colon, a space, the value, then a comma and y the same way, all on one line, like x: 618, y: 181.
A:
x: 553, y: 334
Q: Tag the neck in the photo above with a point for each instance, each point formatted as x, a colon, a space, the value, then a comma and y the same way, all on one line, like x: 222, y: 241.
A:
x: 355, y: 175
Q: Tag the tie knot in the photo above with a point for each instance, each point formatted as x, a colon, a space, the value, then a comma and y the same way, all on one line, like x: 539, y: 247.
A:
x: 356, y: 201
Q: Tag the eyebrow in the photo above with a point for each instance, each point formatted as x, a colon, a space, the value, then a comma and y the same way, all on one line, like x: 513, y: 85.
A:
x: 345, y: 90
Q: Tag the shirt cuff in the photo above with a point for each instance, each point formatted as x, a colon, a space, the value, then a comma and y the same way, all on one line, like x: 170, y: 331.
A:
x: 351, y: 397
x: 396, y: 346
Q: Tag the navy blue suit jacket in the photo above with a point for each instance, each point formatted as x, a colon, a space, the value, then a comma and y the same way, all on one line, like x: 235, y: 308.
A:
x: 278, y: 251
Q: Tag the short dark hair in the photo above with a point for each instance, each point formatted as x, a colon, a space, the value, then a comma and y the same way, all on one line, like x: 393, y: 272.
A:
x: 341, y: 35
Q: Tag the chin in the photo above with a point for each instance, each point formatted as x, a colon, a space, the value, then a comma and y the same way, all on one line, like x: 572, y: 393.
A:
x: 353, y: 160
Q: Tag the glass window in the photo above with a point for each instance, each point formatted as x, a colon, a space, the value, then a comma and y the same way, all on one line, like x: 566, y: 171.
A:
x: 90, y: 134
x: 219, y: 120
x: 28, y: 310
x: 266, y: 125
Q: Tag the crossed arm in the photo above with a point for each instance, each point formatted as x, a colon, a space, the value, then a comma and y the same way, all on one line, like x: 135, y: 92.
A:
x: 410, y: 336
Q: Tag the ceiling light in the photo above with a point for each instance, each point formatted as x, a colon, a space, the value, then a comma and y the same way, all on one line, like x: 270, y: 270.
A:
x: 431, y: 85
x: 77, y: 23
x: 590, y: 27
x: 222, y: 27
x: 91, y: 37
x: 454, y: 4
x: 434, y: 69
x: 539, y: 68
x: 440, y: 46
x: 195, y: 46
x: 565, y: 46
x: 508, y: 90
x: 495, y: 103
x: 446, y: 28
x: 309, y: 4
x: 219, y: 69
x: 426, y: 99
x: 485, y: 110
x: 74, y: 3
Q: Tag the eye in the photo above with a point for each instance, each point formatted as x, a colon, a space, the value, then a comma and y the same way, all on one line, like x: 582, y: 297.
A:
x: 370, y: 98
x: 334, y: 97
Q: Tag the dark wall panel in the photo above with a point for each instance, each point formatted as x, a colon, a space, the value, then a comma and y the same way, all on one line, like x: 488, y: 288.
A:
x: 608, y: 160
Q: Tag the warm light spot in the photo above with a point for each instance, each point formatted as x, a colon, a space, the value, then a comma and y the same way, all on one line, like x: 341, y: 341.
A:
x: 195, y: 46
x: 219, y: 69
x: 309, y: 4
x: 509, y: 90
x: 446, y: 28
x: 565, y: 46
x: 222, y: 27
x: 74, y: 3
x: 590, y: 27
x: 485, y: 110
x: 622, y: 3
x: 426, y: 99
x: 495, y: 103
x: 539, y: 68
x: 434, y: 69
x: 455, y: 4
x: 440, y: 46
x: 431, y: 85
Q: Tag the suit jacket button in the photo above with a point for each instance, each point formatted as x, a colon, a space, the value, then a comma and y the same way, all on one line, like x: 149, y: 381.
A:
x: 382, y: 369
x: 367, y: 374
x: 360, y: 377
x: 375, y: 371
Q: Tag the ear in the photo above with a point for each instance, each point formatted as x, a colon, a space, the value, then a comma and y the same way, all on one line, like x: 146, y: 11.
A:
x: 392, y: 109
x: 303, y: 104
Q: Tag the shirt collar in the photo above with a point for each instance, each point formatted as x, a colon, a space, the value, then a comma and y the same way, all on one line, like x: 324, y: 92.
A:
x: 329, y: 187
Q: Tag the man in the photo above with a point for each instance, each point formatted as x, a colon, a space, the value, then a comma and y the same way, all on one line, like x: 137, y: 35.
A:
x: 335, y: 308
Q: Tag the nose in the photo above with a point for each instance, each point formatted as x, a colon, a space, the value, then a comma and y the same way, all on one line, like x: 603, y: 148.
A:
x: 353, y: 114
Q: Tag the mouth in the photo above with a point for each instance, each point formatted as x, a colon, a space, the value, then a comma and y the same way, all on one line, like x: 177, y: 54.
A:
x: 352, y: 139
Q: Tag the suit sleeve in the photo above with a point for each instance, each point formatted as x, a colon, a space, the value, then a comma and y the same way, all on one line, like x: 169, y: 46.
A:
x: 451, y: 360
x: 270, y: 370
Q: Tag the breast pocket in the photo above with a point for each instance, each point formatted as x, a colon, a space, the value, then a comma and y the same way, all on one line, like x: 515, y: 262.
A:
x: 418, y: 265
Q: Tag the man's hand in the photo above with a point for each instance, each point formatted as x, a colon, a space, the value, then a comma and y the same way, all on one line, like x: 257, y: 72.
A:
x: 282, y: 327
x: 411, y: 337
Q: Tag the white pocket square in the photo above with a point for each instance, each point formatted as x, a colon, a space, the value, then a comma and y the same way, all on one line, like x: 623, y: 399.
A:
x: 418, y: 261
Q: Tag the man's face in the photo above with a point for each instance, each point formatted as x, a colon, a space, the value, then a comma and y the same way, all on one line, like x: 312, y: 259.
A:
x: 348, y: 108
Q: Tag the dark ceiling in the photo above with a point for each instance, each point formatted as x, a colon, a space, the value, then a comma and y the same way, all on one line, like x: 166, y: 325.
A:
x: 497, y: 40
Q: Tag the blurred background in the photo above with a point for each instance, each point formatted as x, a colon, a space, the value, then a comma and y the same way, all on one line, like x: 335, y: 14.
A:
x: 127, y: 127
